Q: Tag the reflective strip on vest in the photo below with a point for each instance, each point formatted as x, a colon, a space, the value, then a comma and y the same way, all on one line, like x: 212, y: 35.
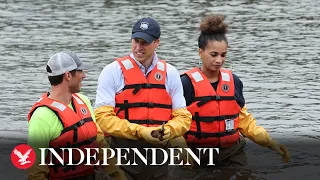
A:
x: 160, y: 66
x: 225, y: 77
x: 197, y: 76
x: 58, y: 105
x: 127, y: 64
x: 79, y: 101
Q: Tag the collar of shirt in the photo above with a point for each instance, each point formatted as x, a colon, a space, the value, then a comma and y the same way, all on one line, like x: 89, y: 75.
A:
x: 142, y: 68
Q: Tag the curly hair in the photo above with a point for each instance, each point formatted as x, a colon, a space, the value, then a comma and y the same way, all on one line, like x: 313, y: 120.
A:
x: 213, y: 28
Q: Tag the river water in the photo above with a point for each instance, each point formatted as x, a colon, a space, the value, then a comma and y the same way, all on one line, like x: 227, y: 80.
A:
x: 274, y: 49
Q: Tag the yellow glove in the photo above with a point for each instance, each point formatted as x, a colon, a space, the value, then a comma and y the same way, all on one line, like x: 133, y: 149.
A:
x: 145, y: 133
x: 178, y: 125
x: 114, y: 126
x: 249, y: 129
x: 166, y: 133
x: 180, y: 142
x: 281, y: 149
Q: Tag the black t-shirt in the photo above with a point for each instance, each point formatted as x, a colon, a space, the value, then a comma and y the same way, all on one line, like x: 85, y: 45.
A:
x: 188, y: 90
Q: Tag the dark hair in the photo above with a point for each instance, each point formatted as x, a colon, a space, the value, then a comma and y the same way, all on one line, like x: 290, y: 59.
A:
x: 212, y: 27
x: 56, y: 80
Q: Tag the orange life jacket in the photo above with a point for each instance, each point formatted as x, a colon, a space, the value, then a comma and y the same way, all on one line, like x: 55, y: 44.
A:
x: 215, y: 114
x: 79, y: 132
x: 143, y: 100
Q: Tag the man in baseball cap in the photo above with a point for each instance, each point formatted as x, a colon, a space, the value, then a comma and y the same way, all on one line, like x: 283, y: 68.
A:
x: 139, y: 94
x: 147, y: 29
x: 64, y: 118
x: 63, y: 62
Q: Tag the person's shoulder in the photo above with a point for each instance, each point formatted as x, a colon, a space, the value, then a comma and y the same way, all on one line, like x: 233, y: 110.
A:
x: 46, y: 122
x: 114, y: 65
x: 84, y: 98
x: 185, y: 79
x: 237, y: 80
x: 42, y: 111
x: 171, y: 67
x: 171, y: 70
x: 235, y: 76
x: 185, y: 76
x: 112, y: 69
x: 43, y: 114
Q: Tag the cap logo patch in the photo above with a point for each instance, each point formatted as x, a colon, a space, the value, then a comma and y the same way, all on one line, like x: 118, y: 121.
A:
x: 144, y: 25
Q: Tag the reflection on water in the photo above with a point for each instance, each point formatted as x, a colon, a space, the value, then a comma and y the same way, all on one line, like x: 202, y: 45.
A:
x: 274, y: 49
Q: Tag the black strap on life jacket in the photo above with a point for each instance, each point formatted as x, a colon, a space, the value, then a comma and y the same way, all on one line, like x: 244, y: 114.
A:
x: 126, y: 105
x: 73, y: 106
x: 199, y: 134
x: 205, y: 99
x: 75, y: 127
x: 206, y: 135
x: 213, y: 118
x: 137, y: 87
x: 198, y: 124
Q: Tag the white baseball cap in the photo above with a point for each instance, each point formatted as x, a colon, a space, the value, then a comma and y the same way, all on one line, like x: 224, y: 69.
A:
x: 65, y: 61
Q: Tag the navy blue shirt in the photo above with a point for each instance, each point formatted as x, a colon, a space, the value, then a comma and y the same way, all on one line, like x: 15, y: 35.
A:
x: 188, y: 90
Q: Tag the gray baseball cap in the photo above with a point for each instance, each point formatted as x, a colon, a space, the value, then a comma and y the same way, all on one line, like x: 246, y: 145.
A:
x: 65, y: 61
